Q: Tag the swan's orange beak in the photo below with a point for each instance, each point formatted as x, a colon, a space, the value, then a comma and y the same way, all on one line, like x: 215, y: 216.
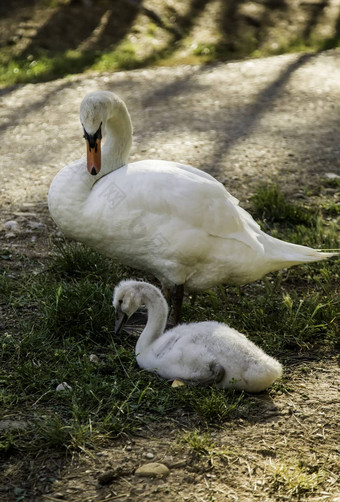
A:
x: 93, y: 150
x: 93, y: 157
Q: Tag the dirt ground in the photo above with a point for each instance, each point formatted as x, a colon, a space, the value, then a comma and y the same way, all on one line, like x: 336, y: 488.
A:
x: 244, y: 122
x: 257, y: 457
x: 273, y: 119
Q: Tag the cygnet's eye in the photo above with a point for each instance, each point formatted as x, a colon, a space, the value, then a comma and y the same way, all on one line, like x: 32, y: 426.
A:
x: 120, y: 301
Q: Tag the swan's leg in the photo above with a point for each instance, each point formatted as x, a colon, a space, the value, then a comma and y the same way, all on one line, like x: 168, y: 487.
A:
x: 177, y: 300
x: 167, y: 294
x: 168, y: 298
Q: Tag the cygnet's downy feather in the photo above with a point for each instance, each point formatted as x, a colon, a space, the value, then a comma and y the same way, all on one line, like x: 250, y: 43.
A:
x: 197, y: 353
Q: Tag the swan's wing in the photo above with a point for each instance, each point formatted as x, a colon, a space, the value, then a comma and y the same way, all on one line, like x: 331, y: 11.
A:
x: 185, y: 194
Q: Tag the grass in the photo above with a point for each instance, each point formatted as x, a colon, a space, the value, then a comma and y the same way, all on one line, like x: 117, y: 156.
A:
x: 200, y: 443
x: 295, y: 480
x: 61, y: 317
x: 46, y: 66
x: 272, y: 207
x: 160, y: 36
x: 58, y: 318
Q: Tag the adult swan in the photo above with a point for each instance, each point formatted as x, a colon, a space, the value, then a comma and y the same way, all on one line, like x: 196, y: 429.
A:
x: 172, y: 220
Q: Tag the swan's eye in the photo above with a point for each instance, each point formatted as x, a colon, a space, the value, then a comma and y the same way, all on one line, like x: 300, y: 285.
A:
x: 93, y: 138
x: 120, y: 302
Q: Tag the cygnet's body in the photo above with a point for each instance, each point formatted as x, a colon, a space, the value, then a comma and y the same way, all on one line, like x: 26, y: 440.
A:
x: 198, y: 352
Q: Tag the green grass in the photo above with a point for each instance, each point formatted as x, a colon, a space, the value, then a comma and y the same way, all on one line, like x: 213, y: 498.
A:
x: 57, y: 318
x: 168, y: 41
x: 295, y: 480
x: 45, y: 66
x: 271, y: 206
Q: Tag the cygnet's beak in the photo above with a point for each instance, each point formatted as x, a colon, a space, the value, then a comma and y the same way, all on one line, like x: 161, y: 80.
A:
x: 121, y: 319
x: 93, y: 150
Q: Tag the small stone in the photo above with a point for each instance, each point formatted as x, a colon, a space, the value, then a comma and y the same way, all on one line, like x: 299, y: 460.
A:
x: 149, y: 456
x: 153, y: 470
x: 12, y: 225
x: 36, y: 225
x: 63, y: 386
x: 9, y: 235
x: 94, y: 359
x: 332, y: 176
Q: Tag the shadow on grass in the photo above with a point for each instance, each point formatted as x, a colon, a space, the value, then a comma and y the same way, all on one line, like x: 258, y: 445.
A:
x: 75, y: 38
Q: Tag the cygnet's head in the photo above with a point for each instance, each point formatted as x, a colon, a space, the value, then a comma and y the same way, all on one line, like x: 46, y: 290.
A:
x: 129, y: 295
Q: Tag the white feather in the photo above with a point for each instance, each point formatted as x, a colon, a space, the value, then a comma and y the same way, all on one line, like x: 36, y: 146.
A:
x: 172, y: 220
x: 198, y: 352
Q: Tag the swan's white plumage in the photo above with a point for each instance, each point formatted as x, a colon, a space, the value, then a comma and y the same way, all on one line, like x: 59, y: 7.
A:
x: 194, y: 352
x: 172, y: 220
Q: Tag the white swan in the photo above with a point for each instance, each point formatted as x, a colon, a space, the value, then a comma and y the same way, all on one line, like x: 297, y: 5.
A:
x: 170, y: 219
x: 198, y: 352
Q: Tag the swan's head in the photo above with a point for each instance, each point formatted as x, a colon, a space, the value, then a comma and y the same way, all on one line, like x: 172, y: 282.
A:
x: 94, y: 111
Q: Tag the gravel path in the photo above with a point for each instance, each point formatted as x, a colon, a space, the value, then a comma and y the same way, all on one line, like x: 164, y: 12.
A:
x: 269, y: 119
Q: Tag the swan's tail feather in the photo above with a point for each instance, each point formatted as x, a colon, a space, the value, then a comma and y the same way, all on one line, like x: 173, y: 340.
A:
x: 317, y: 255
x: 296, y: 253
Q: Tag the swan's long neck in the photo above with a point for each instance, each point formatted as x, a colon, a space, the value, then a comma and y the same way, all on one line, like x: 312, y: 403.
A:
x: 118, y: 130
x: 157, y: 317
x: 72, y: 186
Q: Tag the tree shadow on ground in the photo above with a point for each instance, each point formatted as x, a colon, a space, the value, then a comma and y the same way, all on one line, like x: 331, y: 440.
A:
x: 76, y: 35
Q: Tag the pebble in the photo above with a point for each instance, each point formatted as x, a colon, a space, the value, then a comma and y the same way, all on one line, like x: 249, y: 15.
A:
x: 36, y: 225
x: 94, y: 359
x: 10, y: 235
x: 149, y: 456
x: 63, y: 386
x: 153, y: 470
x: 332, y: 176
x: 12, y: 225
